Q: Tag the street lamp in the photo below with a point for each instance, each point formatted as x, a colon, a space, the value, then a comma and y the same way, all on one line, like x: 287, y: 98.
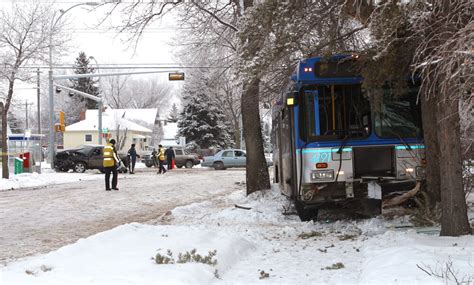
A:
x: 51, y: 147
x: 99, y: 105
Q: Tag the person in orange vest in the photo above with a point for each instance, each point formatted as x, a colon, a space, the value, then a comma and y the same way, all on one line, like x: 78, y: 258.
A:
x: 161, y: 159
x: 110, y: 164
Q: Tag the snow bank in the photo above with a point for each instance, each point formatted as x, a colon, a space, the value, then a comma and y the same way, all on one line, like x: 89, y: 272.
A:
x: 395, y: 257
x: 125, y: 255
x: 24, y: 180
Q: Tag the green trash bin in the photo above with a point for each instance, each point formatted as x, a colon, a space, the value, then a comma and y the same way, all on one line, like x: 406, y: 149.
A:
x: 18, y: 165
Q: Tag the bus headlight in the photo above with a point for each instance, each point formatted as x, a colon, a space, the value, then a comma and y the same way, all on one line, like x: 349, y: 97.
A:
x: 322, y: 174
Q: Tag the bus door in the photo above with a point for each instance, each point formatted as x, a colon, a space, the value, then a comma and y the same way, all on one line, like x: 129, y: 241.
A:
x: 286, y: 151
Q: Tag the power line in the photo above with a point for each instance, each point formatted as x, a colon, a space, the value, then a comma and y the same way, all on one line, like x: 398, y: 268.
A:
x: 74, y: 2
x: 125, y: 66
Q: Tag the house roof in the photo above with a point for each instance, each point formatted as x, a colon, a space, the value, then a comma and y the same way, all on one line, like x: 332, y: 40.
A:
x: 108, y: 121
x: 141, y: 116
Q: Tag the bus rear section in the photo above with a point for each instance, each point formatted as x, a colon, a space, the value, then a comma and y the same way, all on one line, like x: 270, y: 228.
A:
x: 335, y: 146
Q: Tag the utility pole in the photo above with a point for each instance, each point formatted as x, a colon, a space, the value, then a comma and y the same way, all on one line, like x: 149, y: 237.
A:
x: 26, y: 115
x: 38, y: 104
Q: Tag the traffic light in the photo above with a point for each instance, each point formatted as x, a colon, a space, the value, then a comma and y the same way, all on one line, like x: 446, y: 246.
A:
x: 61, y: 127
x: 61, y: 118
x: 175, y: 76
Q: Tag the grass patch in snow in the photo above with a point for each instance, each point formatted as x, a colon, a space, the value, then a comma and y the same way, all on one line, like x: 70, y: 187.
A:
x: 335, y: 266
x: 188, y: 256
x: 347, y: 237
x: 310, y: 235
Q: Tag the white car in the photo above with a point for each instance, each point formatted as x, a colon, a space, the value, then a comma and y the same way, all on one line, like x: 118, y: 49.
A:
x: 228, y: 158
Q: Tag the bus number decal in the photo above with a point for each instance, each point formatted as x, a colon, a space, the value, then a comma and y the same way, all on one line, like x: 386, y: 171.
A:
x: 320, y: 157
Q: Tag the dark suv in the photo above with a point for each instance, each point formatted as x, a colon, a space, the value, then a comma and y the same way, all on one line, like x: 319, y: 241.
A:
x: 84, y: 157
x: 181, y: 159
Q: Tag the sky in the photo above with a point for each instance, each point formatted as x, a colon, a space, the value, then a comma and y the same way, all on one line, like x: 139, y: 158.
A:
x: 104, y: 44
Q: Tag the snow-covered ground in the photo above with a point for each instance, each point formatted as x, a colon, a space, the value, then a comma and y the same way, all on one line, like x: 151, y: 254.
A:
x: 49, y: 177
x: 253, y: 246
x: 26, y: 180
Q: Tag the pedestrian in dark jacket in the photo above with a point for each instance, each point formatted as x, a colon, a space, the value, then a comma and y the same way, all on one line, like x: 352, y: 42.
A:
x: 169, y: 153
x: 154, y: 157
x: 132, y: 158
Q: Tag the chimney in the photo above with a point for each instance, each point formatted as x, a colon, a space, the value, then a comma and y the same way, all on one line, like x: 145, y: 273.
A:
x: 82, y: 116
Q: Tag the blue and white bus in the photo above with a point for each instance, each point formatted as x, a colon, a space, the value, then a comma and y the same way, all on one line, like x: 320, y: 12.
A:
x: 334, y: 145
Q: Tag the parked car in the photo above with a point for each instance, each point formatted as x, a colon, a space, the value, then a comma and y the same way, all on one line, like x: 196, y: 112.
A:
x: 85, y: 157
x: 228, y: 158
x: 181, y: 159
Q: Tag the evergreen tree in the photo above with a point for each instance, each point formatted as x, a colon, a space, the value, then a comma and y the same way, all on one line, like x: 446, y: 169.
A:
x: 202, y: 121
x: 174, y: 114
x: 87, y: 85
x: 15, y: 123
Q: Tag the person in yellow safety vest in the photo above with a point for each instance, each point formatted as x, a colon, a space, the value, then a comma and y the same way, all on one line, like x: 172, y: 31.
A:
x: 161, y: 159
x: 111, y: 162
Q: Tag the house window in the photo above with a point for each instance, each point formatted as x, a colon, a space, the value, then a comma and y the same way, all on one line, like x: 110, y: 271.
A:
x: 88, y: 138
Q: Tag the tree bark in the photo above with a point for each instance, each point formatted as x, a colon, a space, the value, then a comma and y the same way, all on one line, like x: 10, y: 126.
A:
x: 5, y: 108
x: 454, y: 221
x: 433, y: 178
x: 3, y: 113
x: 257, y: 176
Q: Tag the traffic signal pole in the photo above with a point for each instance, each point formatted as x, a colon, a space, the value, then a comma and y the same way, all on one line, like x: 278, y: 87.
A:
x: 91, y: 97
x: 95, y: 98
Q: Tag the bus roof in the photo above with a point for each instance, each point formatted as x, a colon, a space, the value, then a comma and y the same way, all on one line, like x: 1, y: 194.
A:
x: 336, y: 69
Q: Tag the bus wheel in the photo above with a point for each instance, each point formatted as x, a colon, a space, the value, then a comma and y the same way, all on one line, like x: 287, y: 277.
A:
x: 305, y: 214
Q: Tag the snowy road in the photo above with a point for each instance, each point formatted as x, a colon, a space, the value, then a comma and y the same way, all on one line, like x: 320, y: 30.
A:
x: 43, y: 219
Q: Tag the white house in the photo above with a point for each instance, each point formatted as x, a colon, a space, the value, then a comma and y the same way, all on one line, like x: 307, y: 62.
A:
x: 148, y: 118
x: 124, y: 131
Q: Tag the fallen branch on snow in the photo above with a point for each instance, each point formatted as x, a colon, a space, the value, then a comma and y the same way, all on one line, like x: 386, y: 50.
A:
x: 242, y: 207
x: 402, y: 198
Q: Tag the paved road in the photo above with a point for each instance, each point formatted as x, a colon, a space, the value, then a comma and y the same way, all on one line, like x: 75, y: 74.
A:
x: 36, y: 221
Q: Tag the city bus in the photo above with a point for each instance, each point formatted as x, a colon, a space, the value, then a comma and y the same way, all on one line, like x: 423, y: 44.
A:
x: 338, y: 145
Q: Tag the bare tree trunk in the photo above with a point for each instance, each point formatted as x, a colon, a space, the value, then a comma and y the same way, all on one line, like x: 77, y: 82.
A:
x: 257, y: 176
x: 454, y: 221
x: 6, y: 107
x: 433, y: 178
x: 3, y: 114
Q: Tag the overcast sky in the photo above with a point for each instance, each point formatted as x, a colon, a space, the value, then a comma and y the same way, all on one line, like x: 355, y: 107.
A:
x: 105, y: 45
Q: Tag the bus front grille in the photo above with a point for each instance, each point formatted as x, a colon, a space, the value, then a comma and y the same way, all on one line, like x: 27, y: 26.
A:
x: 374, y: 161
